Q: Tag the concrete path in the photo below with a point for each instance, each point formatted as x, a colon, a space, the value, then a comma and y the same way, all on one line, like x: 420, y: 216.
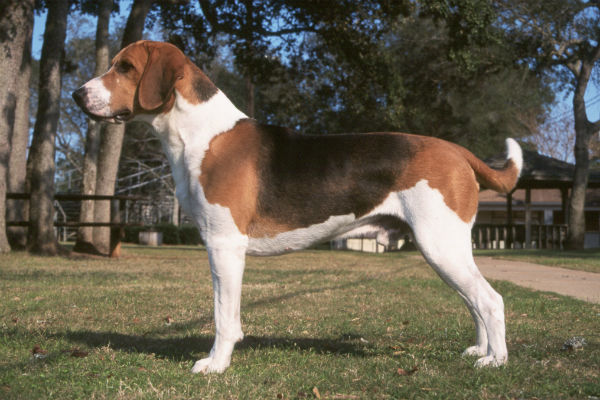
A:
x: 579, y: 284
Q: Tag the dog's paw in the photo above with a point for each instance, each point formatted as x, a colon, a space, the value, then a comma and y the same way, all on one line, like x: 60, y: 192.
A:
x: 475, y: 351
x: 209, y: 365
x: 491, y: 361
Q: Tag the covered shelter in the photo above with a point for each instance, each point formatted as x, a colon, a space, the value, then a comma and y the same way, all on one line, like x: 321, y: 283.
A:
x: 541, y: 172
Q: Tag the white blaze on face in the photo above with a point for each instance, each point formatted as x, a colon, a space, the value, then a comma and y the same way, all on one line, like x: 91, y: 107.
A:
x: 97, y: 98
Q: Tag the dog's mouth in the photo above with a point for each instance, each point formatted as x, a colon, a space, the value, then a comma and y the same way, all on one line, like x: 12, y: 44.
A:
x: 118, y: 118
x: 123, y: 116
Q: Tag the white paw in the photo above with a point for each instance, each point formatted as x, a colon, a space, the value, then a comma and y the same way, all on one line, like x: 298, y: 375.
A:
x: 209, y: 365
x: 475, y: 351
x: 490, y: 361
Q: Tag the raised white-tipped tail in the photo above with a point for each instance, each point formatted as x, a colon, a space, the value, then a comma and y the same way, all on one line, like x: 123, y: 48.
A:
x: 514, y: 153
x: 501, y: 180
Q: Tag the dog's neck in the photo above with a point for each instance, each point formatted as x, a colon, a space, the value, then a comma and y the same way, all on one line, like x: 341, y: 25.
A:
x: 187, y: 129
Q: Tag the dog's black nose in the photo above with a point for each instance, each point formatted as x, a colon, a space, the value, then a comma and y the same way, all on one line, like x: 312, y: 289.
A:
x: 79, y: 96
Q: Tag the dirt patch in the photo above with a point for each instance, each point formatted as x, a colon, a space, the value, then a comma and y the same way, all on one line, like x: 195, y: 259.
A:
x: 579, y: 284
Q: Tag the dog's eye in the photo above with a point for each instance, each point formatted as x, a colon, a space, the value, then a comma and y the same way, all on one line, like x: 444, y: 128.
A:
x: 123, y: 66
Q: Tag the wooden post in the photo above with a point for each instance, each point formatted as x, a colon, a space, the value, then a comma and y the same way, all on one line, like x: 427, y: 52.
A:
x: 175, y: 216
x: 509, y: 219
x: 564, y: 202
x: 116, y: 232
x: 528, y: 218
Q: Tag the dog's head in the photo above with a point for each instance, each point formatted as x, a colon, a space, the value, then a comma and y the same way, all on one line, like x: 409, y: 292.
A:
x: 141, y: 80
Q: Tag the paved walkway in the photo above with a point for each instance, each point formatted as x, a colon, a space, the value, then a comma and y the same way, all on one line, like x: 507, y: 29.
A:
x: 579, y: 284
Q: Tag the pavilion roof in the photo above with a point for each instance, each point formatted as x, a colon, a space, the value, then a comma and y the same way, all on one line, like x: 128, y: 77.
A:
x: 541, y: 171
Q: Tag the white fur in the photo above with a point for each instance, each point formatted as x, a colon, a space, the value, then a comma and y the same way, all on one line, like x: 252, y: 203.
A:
x: 442, y: 236
x: 302, y: 238
x: 185, y: 133
x: 514, y: 152
x: 445, y: 241
x: 98, y: 98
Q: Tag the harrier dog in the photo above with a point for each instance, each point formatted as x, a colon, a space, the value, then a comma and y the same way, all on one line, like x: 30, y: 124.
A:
x: 262, y: 190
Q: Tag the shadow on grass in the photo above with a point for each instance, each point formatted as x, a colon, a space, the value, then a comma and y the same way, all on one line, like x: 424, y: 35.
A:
x: 187, y: 348
x: 190, y: 348
x: 261, y: 302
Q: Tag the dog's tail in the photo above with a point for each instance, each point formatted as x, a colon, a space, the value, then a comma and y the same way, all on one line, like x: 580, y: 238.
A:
x: 501, y: 180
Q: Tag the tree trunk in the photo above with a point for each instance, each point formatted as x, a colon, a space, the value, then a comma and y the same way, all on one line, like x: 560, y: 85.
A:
x: 18, y: 210
x: 584, y: 130
x: 576, y: 211
x: 85, y: 237
x: 249, y: 97
x: 41, y: 238
x: 16, y: 21
x: 111, y: 139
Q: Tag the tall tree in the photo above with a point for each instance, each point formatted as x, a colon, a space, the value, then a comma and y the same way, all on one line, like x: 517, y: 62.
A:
x: 111, y: 137
x: 17, y: 210
x: 92, y: 141
x: 563, y: 38
x: 41, y: 237
x: 433, y: 67
x: 16, y: 21
x: 261, y: 33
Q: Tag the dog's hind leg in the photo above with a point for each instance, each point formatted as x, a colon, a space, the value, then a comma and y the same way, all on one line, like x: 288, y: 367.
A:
x: 450, y: 255
x: 227, y: 268
x: 445, y: 241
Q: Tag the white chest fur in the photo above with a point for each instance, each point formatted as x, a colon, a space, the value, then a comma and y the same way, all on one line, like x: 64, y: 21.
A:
x: 185, y: 133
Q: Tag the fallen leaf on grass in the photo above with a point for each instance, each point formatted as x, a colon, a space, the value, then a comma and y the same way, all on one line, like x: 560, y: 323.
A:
x: 38, y: 352
x: 75, y: 352
x: 316, y: 392
x: 403, y: 372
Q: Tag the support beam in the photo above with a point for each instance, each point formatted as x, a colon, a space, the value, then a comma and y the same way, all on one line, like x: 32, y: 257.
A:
x: 527, y: 218
x: 509, y: 220
x: 564, y: 203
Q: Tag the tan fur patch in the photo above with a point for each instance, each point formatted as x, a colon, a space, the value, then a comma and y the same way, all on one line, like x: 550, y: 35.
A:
x: 156, y: 69
x: 229, y: 176
x: 445, y: 169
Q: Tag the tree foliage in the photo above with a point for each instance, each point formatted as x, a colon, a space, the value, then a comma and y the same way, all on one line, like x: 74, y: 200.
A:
x: 432, y: 67
x: 562, y: 38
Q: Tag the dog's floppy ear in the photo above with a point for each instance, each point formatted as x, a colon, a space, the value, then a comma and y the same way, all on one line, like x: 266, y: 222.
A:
x: 163, y: 68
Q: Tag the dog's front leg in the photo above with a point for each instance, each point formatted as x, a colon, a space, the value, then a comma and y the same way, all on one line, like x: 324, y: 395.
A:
x: 227, y: 268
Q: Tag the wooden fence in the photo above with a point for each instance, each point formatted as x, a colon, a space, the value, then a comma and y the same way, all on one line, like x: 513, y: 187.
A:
x: 116, y: 224
x: 486, y: 236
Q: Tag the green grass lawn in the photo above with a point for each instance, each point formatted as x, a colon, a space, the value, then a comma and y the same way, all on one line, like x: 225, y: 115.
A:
x: 338, y: 324
x: 584, y: 260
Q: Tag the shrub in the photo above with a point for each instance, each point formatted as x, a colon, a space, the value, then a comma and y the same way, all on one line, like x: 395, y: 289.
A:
x: 188, y: 234
x: 184, y: 234
x: 132, y: 233
x: 170, y: 232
